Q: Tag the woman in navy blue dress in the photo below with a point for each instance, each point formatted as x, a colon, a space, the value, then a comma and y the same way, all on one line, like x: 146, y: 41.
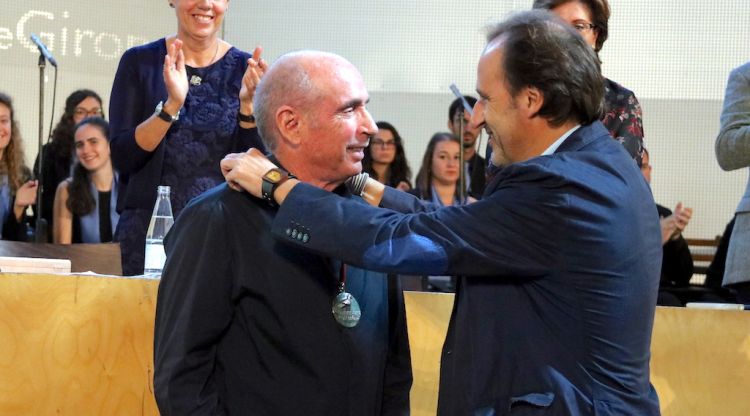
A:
x: 178, y: 105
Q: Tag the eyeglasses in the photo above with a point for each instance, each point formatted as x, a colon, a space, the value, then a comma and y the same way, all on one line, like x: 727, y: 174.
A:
x: 82, y: 112
x: 383, y: 143
x: 584, y: 26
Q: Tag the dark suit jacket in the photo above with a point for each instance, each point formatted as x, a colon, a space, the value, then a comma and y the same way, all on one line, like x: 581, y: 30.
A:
x: 244, y: 323
x: 477, y: 166
x: 561, y: 258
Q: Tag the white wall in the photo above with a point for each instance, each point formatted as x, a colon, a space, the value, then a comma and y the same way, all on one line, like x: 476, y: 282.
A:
x: 675, y: 55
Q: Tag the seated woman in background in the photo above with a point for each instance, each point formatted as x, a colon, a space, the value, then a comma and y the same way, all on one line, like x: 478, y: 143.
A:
x: 85, y: 203
x: 17, y: 192
x: 437, y: 180
x: 385, y: 160
x: 58, y: 153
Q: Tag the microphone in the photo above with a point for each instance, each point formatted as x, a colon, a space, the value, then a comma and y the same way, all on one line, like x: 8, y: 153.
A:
x: 460, y: 96
x: 43, y: 50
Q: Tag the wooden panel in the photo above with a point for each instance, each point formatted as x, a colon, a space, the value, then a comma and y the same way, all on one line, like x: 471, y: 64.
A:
x: 80, y: 345
x: 700, y: 362
x: 427, y: 316
x: 76, y: 345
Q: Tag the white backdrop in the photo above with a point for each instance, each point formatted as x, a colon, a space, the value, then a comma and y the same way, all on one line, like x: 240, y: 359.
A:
x: 675, y: 55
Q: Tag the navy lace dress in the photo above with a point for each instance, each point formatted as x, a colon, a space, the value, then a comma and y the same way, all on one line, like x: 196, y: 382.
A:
x: 188, y: 157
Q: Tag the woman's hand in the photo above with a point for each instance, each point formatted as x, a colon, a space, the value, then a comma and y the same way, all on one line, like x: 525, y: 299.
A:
x: 25, y: 196
x: 256, y: 67
x: 175, y: 78
x: 246, y: 170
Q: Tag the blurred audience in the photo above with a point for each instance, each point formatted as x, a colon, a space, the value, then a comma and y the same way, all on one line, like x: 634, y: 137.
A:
x: 17, y: 192
x: 385, y: 159
x: 85, y: 203
x: 58, y: 153
x: 622, y: 111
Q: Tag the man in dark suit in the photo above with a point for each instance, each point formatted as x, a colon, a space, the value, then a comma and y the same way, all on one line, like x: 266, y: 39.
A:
x: 561, y: 257
x: 244, y: 323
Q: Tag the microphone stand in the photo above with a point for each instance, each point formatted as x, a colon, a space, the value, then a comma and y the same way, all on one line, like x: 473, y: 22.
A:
x: 41, y: 223
x: 461, y: 163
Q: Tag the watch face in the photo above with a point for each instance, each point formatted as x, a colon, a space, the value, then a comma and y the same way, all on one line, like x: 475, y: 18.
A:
x: 273, y: 176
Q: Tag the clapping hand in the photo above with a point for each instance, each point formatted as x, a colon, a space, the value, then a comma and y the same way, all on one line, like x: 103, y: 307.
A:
x: 175, y: 76
x: 673, y: 225
x: 25, y: 196
x: 256, y: 67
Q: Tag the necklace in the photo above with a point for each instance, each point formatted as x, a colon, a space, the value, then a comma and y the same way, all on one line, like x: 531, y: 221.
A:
x: 195, y: 79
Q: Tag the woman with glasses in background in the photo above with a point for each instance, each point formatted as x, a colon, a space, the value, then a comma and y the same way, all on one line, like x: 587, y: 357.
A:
x: 622, y: 111
x: 385, y: 160
x: 58, y: 153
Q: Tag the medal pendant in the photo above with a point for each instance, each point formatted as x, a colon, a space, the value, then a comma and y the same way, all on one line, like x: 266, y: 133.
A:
x: 346, y: 310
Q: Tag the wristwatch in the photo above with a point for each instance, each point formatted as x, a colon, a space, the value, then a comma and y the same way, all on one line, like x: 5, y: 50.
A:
x: 246, y: 119
x: 272, y: 180
x: 159, y: 111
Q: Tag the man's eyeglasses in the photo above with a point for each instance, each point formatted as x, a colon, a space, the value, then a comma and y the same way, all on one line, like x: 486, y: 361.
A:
x: 382, y: 143
x: 584, y: 26
x: 82, y: 112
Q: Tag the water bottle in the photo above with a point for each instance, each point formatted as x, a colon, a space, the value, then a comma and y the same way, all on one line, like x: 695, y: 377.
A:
x: 161, y: 222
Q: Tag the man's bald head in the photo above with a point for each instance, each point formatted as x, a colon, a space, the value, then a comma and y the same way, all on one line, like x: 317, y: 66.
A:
x: 296, y: 79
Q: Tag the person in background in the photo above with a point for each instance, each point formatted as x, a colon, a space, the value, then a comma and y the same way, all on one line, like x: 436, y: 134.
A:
x: 385, y: 159
x: 622, y: 111
x: 437, y: 179
x: 178, y: 105
x: 437, y: 182
x: 677, y: 262
x: 475, y: 165
x: 17, y: 192
x: 58, y: 153
x: 733, y: 152
x: 85, y: 202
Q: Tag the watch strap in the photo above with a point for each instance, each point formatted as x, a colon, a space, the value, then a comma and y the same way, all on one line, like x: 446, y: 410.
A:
x: 162, y: 114
x: 245, y: 118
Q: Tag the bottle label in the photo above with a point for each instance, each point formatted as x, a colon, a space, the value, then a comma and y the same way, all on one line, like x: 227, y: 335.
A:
x: 155, y: 258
